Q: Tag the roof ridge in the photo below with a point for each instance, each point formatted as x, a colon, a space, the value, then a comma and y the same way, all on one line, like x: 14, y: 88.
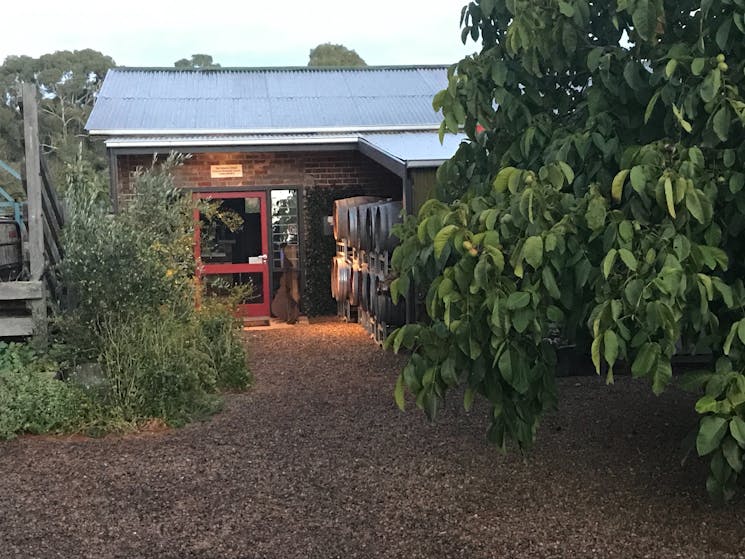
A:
x: 282, y: 97
x: 309, y: 69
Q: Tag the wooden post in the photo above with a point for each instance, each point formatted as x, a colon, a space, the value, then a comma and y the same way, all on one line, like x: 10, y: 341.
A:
x: 35, y: 212
x: 408, y: 204
x: 113, y: 180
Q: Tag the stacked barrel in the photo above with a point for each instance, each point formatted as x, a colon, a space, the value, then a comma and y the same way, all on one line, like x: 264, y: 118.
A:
x: 360, y: 276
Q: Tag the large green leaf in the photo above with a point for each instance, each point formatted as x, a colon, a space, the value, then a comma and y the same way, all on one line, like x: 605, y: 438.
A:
x: 468, y: 399
x: 628, y: 259
x: 549, y: 282
x: 737, y: 429
x: 533, y: 251
x: 645, y: 18
x: 595, y: 353
x: 521, y: 319
x: 697, y: 66
x: 480, y: 275
x: 448, y: 373
x: 398, y: 392
x: 518, y: 300
x: 732, y: 453
x: 730, y: 338
x: 720, y: 123
x: 568, y: 172
x: 707, y: 404
x: 722, y: 35
x: 609, y: 261
x: 710, y: 86
x: 670, y: 68
x: 499, y: 73
x: 514, y: 370
x: 646, y: 359
x: 736, y: 182
x: 593, y: 58
x: 696, y: 156
x: 650, y: 106
x: 596, y: 213
x: 711, y: 430
x: 566, y: 8
x: 638, y: 178
x: 669, y: 197
x: 626, y: 231
x: 694, y: 206
x: 502, y: 179
x: 610, y: 347
x: 617, y: 186
x: 442, y: 238
x: 661, y: 376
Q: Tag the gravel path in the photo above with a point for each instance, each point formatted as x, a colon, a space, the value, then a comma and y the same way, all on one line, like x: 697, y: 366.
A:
x: 316, y: 461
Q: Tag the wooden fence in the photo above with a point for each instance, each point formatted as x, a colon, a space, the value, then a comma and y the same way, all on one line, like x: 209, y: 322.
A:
x: 23, y: 304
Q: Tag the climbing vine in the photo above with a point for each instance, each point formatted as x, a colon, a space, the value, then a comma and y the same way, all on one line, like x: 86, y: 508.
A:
x: 598, y: 200
x: 320, y: 248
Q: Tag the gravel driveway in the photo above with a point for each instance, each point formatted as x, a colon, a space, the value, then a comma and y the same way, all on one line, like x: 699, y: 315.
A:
x: 316, y: 461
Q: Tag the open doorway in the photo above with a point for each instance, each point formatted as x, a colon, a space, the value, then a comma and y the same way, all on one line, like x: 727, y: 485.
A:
x: 233, y: 250
x: 285, y: 255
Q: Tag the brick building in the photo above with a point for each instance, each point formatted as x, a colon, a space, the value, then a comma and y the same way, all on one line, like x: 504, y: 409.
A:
x: 261, y: 141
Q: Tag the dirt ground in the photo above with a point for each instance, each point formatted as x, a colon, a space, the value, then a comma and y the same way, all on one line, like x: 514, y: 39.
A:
x: 316, y: 461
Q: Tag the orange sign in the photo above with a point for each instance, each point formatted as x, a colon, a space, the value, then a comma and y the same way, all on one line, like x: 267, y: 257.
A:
x: 226, y: 171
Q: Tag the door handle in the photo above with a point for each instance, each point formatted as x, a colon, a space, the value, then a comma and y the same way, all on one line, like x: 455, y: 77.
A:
x: 264, y: 258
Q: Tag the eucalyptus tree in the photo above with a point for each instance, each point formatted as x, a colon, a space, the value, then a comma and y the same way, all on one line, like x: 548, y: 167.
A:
x: 328, y: 54
x: 68, y: 82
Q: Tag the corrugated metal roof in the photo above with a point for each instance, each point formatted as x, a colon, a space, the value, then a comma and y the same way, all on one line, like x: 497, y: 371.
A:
x: 395, y: 150
x: 196, y: 141
x: 152, y: 101
x: 415, y: 147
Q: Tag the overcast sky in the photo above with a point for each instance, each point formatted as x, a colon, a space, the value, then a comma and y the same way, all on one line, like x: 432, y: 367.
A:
x: 238, y: 33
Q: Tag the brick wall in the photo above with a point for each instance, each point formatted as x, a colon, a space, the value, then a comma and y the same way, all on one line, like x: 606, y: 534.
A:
x: 347, y: 171
x: 339, y: 173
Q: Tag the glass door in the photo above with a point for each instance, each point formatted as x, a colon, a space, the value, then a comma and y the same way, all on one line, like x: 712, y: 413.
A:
x: 231, y: 247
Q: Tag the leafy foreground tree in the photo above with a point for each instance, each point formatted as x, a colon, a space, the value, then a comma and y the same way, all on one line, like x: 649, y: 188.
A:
x: 602, y: 204
x: 335, y: 56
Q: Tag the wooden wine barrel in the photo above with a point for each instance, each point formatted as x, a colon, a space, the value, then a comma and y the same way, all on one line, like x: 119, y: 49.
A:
x: 355, y: 293
x: 11, y: 255
x: 365, y: 289
x: 367, y: 225
x: 341, y: 214
x: 387, y: 214
x: 334, y: 276
x: 344, y: 280
x: 356, y: 224
x: 372, y: 290
x: 388, y: 313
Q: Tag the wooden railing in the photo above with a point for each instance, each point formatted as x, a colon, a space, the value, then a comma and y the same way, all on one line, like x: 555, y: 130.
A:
x: 44, y: 225
x: 53, y: 222
x: 19, y: 324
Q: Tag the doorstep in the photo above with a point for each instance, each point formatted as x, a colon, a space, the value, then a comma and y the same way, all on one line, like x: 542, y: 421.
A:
x: 265, y: 323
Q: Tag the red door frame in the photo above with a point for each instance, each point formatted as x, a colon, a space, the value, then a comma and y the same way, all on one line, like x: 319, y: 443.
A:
x: 253, y: 310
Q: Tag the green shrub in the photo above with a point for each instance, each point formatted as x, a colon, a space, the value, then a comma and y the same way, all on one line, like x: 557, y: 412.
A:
x: 223, y: 344
x: 155, y: 365
x: 119, y: 265
x: 32, y: 400
x: 132, y: 342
